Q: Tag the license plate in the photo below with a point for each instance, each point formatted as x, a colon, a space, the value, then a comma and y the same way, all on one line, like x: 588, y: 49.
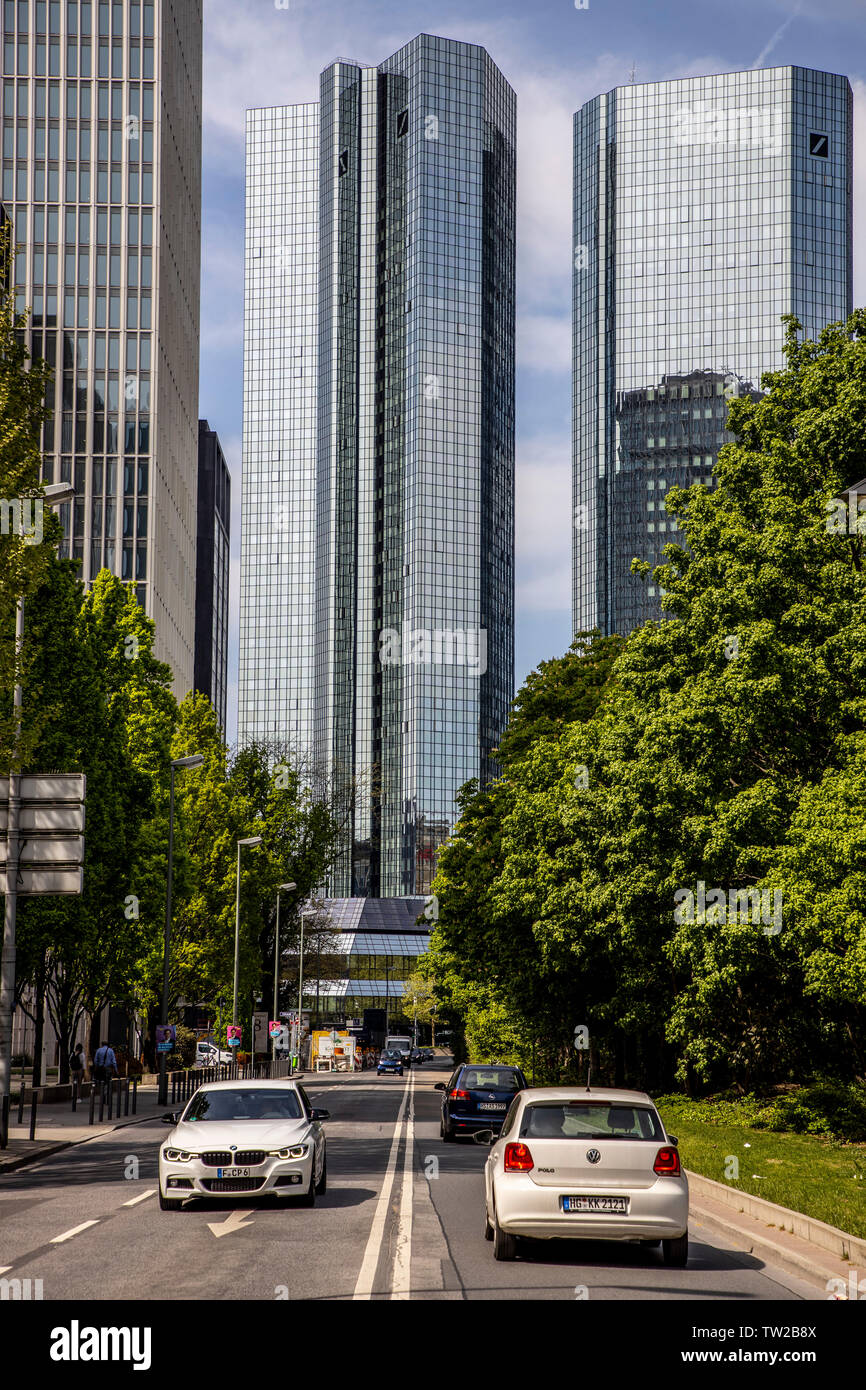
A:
x: 615, y: 1205
x: 233, y: 1172
x: 492, y: 1107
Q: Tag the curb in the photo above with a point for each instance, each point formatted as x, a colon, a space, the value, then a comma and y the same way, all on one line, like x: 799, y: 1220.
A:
x: 828, y: 1238
x: 802, y: 1264
x: 57, y: 1146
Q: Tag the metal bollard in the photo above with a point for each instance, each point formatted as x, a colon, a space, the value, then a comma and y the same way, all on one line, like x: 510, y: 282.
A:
x: 33, y: 1104
x: 4, y: 1121
x: 74, y: 1093
x: 134, y: 1094
x: 101, y: 1101
x: 21, y: 1104
x: 92, y: 1100
x: 126, y: 1096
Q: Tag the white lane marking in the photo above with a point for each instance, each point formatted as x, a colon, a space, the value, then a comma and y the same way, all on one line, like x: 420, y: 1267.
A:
x: 401, y: 1282
x: 67, y: 1235
x: 4, y: 1269
x: 364, y: 1286
x: 232, y: 1223
x: 142, y: 1196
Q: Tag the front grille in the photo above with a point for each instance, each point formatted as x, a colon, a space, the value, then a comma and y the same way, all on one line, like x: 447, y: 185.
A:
x: 250, y: 1158
x: 232, y: 1184
x: 216, y: 1160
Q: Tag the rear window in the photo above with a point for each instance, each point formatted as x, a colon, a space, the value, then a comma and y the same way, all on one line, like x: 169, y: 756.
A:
x: 589, y: 1120
x: 489, y: 1079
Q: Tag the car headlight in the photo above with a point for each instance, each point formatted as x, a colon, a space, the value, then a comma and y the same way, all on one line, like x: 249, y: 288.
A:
x: 295, y: 1151
x: 178, y: 1155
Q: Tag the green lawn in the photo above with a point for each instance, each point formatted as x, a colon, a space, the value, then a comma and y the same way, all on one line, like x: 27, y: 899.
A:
x: 819, y: 1177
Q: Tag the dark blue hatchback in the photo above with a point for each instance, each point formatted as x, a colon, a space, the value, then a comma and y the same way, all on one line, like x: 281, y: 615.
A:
x: 477, y: 1097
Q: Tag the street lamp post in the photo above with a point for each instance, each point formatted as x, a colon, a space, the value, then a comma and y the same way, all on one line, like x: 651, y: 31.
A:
x: 194, y: 760
x: 251, y: 840
x: 283, y: 888
x: 55, y: 494
x: 306, y: 912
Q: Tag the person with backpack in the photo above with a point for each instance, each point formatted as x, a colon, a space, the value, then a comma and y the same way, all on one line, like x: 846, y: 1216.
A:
x: 76, y: 1067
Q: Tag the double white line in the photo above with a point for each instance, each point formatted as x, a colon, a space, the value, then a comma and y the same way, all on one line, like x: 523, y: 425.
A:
x: 400, y: 1277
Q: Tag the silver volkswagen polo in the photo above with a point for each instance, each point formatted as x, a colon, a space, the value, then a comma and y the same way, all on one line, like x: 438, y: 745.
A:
x: 252, y: 1137
x: 574, y: 1163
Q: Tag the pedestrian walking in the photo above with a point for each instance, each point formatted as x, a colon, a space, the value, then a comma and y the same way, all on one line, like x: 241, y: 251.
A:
x: 76, y: 1068
x: 104, y: 1065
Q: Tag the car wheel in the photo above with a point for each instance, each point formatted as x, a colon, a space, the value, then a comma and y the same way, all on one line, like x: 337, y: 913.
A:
x: 445, y: 1134
x: 650, y: 1244
x: 169, y: 1203
x: 309, y: 1197
x: 322, y: 1184
x: 488, y: 1229
x: 504, y: 1245
x: 677, y: 1251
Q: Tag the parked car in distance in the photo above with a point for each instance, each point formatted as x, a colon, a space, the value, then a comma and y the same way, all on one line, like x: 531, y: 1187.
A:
x: 477, y: 1097
x: 578, y: 1164
x: 416, y: 1056
x: 207, y: 1054
x: 390, y: 1062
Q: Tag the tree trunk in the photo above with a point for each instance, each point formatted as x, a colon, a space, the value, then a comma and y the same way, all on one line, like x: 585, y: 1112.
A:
x: 39, y: 1023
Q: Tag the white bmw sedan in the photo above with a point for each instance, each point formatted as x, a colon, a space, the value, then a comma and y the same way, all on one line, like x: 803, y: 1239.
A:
x: 259, y: 1138
x: 574, y: 1163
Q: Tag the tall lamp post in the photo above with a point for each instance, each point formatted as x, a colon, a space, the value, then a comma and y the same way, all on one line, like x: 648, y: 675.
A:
x: 251, y: 840
x: 283, y: 888
x: 55, y: 494
x: 306, y: 912
x: 194, y: 760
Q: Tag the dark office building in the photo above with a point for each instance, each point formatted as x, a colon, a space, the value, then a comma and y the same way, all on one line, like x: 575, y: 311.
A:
x: 212, y: 571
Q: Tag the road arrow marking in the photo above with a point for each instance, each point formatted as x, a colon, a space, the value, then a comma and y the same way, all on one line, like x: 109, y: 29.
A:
x: 232, y: 1223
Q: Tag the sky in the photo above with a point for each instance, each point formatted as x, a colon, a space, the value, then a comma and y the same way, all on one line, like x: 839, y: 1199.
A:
x: 556, y: 56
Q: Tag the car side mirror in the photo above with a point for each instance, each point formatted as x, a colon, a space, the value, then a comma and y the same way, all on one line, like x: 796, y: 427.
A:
x: 440, y: 1086
x: 483, y: 1136
x: 672, y: 1139
x: 321, y: 1114
x: 169, y: 1119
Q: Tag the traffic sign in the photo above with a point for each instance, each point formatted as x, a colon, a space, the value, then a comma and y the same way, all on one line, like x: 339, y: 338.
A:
x: 50, y: 829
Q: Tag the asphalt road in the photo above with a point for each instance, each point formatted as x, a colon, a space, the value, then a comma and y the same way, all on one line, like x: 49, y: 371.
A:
x: 402, y: 1218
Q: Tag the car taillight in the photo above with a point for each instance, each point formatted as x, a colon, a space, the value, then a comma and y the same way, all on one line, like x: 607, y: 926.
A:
x: 667, y: 1163
x: 458, y: 1095
x: 518, y: 1159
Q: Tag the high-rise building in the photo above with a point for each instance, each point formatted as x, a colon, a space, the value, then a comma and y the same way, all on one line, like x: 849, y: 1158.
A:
x: 278, y: 526
x: 213, y: 546
x: 102, y: 184
x: 395, y: 669
x: 704, y: 209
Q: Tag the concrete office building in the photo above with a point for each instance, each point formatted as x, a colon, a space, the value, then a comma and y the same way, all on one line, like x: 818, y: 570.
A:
x: 704, y: 209
x: 102, y: 183
x: 379, y: 443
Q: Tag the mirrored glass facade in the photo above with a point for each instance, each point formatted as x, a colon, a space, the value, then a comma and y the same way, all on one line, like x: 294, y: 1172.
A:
x: 275, y: 691
x: 102, y: 184
x: 213, y: 548
x: 704, y: 209
x: 404, y: 674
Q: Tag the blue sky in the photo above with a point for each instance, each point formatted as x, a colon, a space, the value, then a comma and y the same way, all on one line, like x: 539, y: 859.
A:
x: 556, y: 57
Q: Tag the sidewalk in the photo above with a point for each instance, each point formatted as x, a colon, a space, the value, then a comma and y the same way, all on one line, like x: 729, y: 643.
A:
x: 58, y: 1128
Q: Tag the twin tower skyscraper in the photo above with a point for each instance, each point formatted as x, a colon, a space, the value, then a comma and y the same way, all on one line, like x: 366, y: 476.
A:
x: 377, y: 586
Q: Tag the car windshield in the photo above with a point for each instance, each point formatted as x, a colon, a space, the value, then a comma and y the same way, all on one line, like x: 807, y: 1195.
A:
x: 578, y: 1119
x: 489, y: 1079
x: 391, y: 1056
x: 242, y: 1104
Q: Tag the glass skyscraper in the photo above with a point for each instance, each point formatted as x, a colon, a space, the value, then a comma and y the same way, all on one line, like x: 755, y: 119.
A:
x: 102, y: 185
x: 398, y: 643
x: 212, y: 558
x: 704, y: 209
